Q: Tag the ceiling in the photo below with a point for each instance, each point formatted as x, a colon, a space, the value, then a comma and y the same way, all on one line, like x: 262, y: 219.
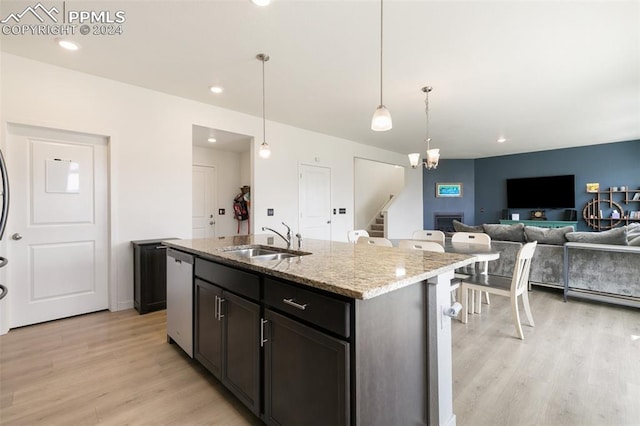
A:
x: 224, y: 141
x: 542, y: 74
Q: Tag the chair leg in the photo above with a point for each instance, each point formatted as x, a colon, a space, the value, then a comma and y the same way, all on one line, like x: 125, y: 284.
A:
x: 527, y: 308
x: 465, y: 304
x: 485, y: 271
x: 516, y: 317
x: 471, y: 306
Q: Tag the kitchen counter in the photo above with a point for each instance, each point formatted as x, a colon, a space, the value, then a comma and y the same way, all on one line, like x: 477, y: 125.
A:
x: 360, y: 305
x: 353, y: 270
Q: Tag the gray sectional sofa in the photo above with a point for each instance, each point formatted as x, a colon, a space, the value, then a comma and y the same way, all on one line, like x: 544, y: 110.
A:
x: 603, y: 266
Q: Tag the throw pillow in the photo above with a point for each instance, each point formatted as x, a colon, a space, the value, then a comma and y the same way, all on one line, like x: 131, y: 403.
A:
x: 555, y: 236
x: 500, y: 232
x: 461, y: 227
x: 617, y: 236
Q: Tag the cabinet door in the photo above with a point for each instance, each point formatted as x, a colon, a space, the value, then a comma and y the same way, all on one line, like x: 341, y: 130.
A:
x: 154, y: 295
x: 208, y: 327
x: 241, y: 372
x: 306, y: 375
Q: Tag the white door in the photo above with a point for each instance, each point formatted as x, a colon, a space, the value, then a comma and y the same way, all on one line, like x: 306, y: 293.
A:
x: 57, y: 233
x: 315, y: 202
x: 203, y: 185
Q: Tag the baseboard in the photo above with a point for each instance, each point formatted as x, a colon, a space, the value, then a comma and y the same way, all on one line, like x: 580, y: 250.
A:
x: 121, y: 306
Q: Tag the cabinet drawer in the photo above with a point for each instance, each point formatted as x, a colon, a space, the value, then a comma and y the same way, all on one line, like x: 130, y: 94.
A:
x: 239, y: 282
x: 323, y: 311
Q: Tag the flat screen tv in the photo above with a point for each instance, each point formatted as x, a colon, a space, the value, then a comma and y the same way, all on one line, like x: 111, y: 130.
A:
x: 545, y: 192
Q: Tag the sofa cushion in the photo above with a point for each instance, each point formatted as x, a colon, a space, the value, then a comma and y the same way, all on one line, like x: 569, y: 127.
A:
x: 500, y: 232
x: 617, y: 236
x: 633, y: 230
x: 634, y: 241
x: 461, y: 227
x: 555, y: 236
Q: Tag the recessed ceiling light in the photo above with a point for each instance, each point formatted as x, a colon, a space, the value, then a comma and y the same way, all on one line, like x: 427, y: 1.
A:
x: 212, y: 140
x: 216, y: 89
x: 261, y: 2
x: 501, y: 140
x: 67, y: 44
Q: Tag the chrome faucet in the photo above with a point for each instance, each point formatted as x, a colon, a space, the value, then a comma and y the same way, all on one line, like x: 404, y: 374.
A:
x: 287, y: 239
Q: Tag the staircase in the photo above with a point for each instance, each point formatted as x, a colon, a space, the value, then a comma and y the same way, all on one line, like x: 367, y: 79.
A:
x: 377, y: 229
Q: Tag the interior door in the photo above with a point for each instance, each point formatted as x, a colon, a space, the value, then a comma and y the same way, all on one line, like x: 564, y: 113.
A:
x: 315, y: 202
x: 58, y: 226
x: 204, y: 186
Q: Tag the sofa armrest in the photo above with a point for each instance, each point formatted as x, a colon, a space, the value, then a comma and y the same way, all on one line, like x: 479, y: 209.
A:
x: 503, y: 266
x: 611, y: 271
x: 604, y: 247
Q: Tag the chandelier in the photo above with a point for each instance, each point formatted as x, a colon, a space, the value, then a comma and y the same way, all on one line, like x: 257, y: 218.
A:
x: 433, y: 155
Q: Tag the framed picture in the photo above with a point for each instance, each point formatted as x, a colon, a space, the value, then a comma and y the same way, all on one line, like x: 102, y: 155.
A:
x: 448, y: 189
x: 593, y: 187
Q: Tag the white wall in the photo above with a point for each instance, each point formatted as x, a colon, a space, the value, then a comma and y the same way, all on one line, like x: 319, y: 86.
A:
x: 228, y: 168
x: 151, y: 155
x: 374, y: 183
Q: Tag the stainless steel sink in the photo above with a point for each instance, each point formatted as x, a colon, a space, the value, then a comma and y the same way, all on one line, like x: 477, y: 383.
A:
x: 264, y: 253
x: 274, y: 256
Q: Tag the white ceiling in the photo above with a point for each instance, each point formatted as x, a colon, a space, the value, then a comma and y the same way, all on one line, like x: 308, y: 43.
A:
x: 543, y: 74
x: 224, y: 141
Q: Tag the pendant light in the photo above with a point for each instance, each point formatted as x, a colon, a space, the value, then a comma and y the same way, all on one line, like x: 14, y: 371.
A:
x: 265, y: 151
x: 381, y: 120
x: 433, y: 155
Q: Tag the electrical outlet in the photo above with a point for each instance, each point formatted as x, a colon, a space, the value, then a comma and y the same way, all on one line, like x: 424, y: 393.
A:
x: 343, y: 210
x: 221, y: 212
x: 269, y: 212
x: 334, y: 211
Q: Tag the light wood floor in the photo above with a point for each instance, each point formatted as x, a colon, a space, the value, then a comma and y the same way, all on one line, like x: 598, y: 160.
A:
x: 580, y: 365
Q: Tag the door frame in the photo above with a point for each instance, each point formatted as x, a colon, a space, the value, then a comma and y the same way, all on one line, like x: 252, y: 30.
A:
x: 112, y: 273
x: 326, y: 166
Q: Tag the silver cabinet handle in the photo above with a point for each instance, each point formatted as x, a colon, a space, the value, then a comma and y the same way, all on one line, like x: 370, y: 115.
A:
x: 220, y: 316
x: 16, y: 236
x: 290, y: 302
x: 262, y: 338
x: 215, y: 307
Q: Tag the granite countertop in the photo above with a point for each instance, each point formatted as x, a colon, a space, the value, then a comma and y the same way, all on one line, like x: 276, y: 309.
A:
x: 354, y: 270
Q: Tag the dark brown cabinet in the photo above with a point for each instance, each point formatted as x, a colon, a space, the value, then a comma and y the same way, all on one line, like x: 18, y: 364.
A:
x: 241, y: 349
x: 208, y: 327
x: 227, y: 332
x: 306, y: 375
x: 149, y: 275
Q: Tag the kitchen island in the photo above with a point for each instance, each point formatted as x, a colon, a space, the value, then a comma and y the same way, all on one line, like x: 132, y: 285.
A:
x: 337, y: 334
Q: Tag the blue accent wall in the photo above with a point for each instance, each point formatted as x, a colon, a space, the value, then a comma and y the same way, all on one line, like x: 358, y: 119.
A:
x: 449, y: 171
x: 613, y: 164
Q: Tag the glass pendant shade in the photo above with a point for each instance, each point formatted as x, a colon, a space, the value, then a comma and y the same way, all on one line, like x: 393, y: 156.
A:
x: 433, y: 156
x: 381, y: 120
x: 265, y: 151
x: 414, y: 160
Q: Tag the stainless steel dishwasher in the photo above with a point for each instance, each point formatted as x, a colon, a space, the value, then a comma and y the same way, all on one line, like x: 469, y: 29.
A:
x: 180, y: 299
